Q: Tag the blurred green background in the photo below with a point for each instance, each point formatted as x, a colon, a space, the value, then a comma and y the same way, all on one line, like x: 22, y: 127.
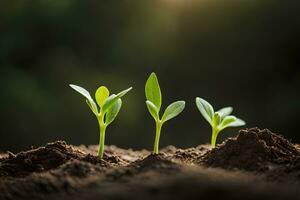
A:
x: 244, y: 53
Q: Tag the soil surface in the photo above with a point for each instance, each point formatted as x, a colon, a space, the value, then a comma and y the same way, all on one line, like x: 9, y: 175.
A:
x: 257, y: 164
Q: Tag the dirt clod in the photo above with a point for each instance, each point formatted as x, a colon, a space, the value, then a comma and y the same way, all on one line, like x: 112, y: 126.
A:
x: 36, y: 160
x: 50, y: 157
x: 253, y: 150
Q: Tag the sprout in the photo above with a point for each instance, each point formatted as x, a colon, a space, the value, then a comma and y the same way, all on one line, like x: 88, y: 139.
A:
x: 106, y: 111
x: 218, y: 120
x: 154, y: 101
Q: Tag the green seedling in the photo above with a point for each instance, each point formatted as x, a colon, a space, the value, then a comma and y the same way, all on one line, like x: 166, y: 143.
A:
x: 218, y: 120
x: 154, y: 101
x: 106, y: 111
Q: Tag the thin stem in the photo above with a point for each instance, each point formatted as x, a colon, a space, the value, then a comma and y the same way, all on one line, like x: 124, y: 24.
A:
x: 214, y: 136
x: 102, y: 135
x: 157, y: 136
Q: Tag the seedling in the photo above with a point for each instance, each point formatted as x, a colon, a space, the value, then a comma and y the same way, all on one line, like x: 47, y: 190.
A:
x: 106, y: 111
x: 218, y: 120
x: 154, y: 101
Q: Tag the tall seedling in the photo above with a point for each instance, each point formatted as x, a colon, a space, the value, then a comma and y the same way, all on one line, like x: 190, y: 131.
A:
x: 154, y: 101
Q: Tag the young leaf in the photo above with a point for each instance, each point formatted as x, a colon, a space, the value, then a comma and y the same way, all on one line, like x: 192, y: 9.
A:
x: 122, y: 93
x: 82, y: 91
x: 152, y: 91
x: 87, y: 95
x: 237, y: 123
x: 94, y: 109
x: 216, y: 119
x: 101, y: 95
x: 225, y: 111
x: 113, y: 112
x: 112, y: 99
x: 173, y: 110
x: 109, y: 102
x: 227, y: 121
x: 153, y: 110
x: 205, y: 109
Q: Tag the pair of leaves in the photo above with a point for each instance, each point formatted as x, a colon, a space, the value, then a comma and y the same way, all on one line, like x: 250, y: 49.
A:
x: 220, y: 119
x: 108, y: 105
x: 154, y: 101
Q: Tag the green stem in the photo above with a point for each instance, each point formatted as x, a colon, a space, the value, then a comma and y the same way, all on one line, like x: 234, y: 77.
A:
x: 157, y: 136
x: 102, y: 136
x: 214, y: 136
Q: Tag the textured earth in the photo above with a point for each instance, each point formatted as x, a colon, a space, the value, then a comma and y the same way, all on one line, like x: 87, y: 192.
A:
x: 256, y: 164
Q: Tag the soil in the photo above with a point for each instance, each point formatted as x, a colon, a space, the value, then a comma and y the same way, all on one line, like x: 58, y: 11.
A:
x: 256, y: 164
x: 256, y: 150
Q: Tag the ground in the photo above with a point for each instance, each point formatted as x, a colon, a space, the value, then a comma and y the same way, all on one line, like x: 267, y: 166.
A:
x: 257, y: 164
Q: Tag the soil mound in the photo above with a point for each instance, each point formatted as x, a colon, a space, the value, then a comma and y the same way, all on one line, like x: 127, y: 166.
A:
x: 50, y: 157
x: 37, y: 160
x: 254, y: 150
x: 154, y: 164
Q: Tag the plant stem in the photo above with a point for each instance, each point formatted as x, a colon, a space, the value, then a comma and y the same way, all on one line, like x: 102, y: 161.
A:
x: 102, y: 136
x: 157, y: 136
x: 214, y: 135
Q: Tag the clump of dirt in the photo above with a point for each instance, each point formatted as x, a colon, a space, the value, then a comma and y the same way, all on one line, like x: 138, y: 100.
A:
x: 160, y: 161
x: 36, y: 160
x: 4, y: 155
x: 253, y: 150
x: 50, y: 157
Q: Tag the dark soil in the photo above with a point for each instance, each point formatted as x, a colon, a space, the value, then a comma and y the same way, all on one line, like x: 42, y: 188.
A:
x: 256, y: 150
x: 257, y: 164
x: 253, y: 150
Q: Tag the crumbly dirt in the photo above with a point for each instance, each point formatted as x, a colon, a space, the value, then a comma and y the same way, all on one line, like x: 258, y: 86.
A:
x: 256, y: 150
x: 49, y: 157
x: 257, y: 164
x: 3, y: 155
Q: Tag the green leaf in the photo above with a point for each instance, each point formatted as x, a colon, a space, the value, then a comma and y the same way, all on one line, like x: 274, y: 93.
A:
x: 216, y: 119
x: 238, y: 122
x: 122, y: 93
x: 227, y: 121
x: 152, y: 91
x: 82, y: 91
x: 153, y: 110
x: 112, y: 99
x: 91, y: 107
x: 173, y: 110
x: 205, y: 109
x: 113, y: 112
x: 101, y: 95
x: 225, y: 111
x: 87, y: 95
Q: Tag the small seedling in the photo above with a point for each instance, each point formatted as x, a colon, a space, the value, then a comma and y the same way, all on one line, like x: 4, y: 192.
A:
x: 106, y: 111
x: 218, y: 120
x: 154, y: 101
